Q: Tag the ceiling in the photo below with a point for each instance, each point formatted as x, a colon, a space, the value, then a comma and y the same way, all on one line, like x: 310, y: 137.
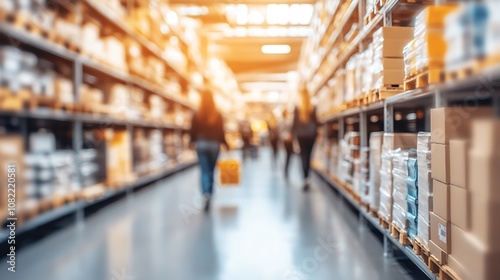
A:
x: 236, y: 30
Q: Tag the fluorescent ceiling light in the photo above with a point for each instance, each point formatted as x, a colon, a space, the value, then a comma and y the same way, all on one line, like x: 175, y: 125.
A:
x: 276, y: 49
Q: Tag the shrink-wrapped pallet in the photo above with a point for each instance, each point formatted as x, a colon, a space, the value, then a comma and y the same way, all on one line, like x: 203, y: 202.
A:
x: 375, y: 165
x: 424, y: 185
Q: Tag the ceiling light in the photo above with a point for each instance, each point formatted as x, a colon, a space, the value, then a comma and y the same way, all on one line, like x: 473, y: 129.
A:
x: 276, y: 49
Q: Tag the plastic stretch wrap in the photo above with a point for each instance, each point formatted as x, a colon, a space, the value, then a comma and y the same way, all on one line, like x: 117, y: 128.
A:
x: 410, y: 59
x: 467, y: 30
x: 386, y: 184
x: 400, y: 174
x: 423, y: 231
x: 424, y: 178
x: 364, y: 174
x: 350, y: 79
x: 375, y: 166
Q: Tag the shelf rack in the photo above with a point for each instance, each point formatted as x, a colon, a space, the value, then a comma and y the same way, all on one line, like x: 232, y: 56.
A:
x: 80, y: 65
x: 388, y: 239
x: 78, y: 208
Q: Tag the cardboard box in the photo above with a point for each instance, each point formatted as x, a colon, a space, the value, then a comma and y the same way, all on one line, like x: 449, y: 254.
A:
x: 390, y: 48
x: 393, y: 141
x: 480, y: 262
x: 484, y: 222
x: 484, y: 176
x: 441, y: 200
x: 393, y: 63
x: 440, y: 232
x: 457, y: 267
x: 485, y: 135
x: 392, y: 77
x: 455, y: 122
x: 440, y: 162
x: 394, y: 32
x: 459, y: 207
x: 459, y: 151
x: 440, y: 255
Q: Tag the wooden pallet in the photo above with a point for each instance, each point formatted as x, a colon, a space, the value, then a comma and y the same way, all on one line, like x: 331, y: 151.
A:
x: 421, y: 250
x: 385, y: 92
x: 19, y: 20
x: 43, y: 101
x: 67, y: 44
x: 373, y: 212
x: 378, y: 5
x: 383, y: 223
x: 447, y: 273
x: 400, y: 234
x: 424, y: 79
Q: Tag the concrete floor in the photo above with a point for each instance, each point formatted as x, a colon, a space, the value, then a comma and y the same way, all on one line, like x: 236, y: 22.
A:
x: 265, y: 229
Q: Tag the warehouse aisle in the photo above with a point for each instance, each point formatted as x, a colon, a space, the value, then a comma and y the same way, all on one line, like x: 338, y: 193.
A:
x: 267, y: 229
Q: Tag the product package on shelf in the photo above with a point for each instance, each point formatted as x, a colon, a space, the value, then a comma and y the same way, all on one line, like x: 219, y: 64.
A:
x: 11, y: 159
x: 399, y: 191
x: 376, y: 139
x: 334, y: 159
x: 412, y: 197
x: 424, y: 186
x: 473, y: 31
x: 475, y: 250
x: 388, y: 62
x: 364, y: 188
x: 118, y: 158
x: 429, y: 43
x: 391, y: 142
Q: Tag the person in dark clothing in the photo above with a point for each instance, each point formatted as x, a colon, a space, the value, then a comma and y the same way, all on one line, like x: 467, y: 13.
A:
x: 274, y: 137
x: 207, y: 132
x: 286, y: 137
x: 305, y: 130
x: 246, y: 135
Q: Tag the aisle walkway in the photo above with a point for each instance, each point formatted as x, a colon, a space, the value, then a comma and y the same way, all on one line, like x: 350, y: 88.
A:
x: 267, y: 229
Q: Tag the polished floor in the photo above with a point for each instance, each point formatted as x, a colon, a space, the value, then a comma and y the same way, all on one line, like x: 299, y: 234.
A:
x: 264, y: 229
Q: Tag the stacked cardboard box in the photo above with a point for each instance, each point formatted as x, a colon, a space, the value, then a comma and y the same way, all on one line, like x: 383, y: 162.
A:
x: 424, y: 186
x: 376, y: 139
x: 388, y: 63
x: 475, y: 202
x: 447, y: 124
x: 392, y: 141
x: 351, y: 158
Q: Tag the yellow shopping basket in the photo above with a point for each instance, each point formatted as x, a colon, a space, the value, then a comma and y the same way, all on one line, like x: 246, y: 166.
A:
x: 229, y: 172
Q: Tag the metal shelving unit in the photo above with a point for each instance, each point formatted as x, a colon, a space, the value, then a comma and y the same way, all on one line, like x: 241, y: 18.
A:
x: 77, y: 207
x: 388, y: 239
x: 81, y: 65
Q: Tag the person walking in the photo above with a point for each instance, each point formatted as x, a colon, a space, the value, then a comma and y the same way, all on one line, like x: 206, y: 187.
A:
x: 305, y: 130
x: 286, y: 138
x: 274, y: 137
x: 207, y: 133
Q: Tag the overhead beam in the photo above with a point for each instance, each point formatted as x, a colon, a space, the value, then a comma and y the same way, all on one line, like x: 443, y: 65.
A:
x: 271, y: 77
x: 248, y: 2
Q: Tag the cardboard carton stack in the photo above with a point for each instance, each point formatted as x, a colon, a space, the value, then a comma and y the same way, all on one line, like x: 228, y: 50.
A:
x: 392, y: 141
x: 376, y: 139
x: 449, y: 124
x: 475, y: 202
x: 388, y: 63
x: 424, y: 186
